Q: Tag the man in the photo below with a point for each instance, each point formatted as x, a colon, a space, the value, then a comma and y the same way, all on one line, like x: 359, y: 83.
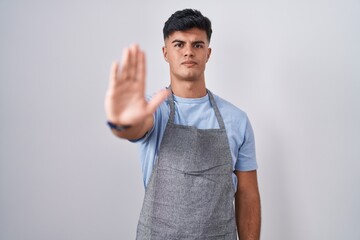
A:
x: 197, y: 149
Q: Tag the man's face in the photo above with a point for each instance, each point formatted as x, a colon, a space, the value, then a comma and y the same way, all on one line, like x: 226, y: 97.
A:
x: 187, y: 53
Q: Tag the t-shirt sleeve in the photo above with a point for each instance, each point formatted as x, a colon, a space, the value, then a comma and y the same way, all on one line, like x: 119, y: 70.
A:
x: 246, y: 160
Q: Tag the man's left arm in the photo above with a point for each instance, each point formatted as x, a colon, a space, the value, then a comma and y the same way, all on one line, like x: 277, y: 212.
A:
x: 247, y: 205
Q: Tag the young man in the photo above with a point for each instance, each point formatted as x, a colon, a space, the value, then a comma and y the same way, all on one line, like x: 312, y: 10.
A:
x: 197, y: 150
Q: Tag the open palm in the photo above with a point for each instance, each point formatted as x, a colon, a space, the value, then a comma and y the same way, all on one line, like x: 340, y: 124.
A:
x: 125, y: 102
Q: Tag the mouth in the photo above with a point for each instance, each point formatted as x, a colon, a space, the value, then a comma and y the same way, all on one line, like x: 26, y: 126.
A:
x: 189, y: 63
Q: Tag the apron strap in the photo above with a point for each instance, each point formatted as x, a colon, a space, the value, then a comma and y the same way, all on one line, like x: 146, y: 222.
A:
x: 216, y: 109
x: 212, y: 102
x: 172, y: 106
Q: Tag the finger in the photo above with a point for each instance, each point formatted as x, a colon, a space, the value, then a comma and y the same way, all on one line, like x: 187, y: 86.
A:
x: 113, y: 73
x: 141, y: 69
x: 133, y: 62
x: 157, y: 100
x: 122, y: 73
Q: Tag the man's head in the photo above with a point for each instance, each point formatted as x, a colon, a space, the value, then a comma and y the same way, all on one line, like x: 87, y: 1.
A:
x: 187, y: 36
x: 187, y: 19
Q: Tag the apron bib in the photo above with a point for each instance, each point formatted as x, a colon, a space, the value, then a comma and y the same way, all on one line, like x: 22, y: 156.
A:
x: 190, y: 193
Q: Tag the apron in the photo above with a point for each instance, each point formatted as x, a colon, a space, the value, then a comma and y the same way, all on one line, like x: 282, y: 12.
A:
x: 190, y: 192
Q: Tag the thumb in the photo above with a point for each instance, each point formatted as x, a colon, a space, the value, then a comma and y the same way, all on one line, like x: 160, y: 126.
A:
x: 156, y: 100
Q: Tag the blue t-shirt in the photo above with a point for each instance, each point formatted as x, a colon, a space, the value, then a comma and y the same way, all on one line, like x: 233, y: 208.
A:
x: 197, y: 112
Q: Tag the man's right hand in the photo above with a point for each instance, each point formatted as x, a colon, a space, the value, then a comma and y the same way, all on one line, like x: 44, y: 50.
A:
x: 125, y: 102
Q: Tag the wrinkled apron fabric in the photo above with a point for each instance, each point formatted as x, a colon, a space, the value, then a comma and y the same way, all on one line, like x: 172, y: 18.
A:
x: 190, y: 192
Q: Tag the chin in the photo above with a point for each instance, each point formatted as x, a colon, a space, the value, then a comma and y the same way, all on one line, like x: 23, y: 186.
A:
x: 190, y: 78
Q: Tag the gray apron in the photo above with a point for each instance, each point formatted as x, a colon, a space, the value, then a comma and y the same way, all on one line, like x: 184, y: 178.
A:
x: 190, y: 192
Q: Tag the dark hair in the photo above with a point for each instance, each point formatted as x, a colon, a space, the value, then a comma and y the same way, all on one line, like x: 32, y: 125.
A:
x: 185, y: 20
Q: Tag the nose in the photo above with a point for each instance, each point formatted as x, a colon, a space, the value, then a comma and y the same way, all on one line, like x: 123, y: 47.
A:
x: 189, y: 51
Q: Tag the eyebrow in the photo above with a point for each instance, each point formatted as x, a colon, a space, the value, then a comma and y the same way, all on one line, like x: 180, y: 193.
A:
x: 181, y: 41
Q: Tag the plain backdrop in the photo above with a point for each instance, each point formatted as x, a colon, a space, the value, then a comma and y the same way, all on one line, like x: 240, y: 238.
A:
x: 293, y: 66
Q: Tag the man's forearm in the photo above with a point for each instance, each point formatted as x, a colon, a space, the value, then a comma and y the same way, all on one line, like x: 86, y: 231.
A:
x: 135, y: 132
x: 248, y: 219
x: 247, y: 206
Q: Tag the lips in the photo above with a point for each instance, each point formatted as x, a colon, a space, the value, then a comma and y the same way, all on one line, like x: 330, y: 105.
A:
x: 189, y: 63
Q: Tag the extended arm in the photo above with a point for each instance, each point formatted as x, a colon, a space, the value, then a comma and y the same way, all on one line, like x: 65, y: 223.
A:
x: 247, y: 206
x: 125, y: 102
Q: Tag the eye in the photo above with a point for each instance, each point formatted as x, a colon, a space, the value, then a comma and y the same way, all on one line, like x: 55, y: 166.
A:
x: 180, y: 45
x: 198, y: 45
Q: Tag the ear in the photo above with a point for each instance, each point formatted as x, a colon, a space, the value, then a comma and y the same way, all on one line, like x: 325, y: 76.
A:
x: 208, y: 54
x: 164, y: 50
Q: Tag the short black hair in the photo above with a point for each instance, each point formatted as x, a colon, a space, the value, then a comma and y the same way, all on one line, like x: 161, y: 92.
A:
x: 186, y: 19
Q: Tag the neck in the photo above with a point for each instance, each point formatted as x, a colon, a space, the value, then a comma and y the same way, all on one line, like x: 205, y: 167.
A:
x: 188, y: 89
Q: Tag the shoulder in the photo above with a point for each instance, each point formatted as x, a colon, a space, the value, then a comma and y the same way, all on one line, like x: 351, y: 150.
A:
x: 229, y: 110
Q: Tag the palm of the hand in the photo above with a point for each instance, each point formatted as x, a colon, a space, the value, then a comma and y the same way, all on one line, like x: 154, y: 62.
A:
x: 125, y: 101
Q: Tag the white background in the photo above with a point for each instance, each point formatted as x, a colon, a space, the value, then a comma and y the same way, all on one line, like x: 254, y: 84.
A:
x: 293, y: 66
